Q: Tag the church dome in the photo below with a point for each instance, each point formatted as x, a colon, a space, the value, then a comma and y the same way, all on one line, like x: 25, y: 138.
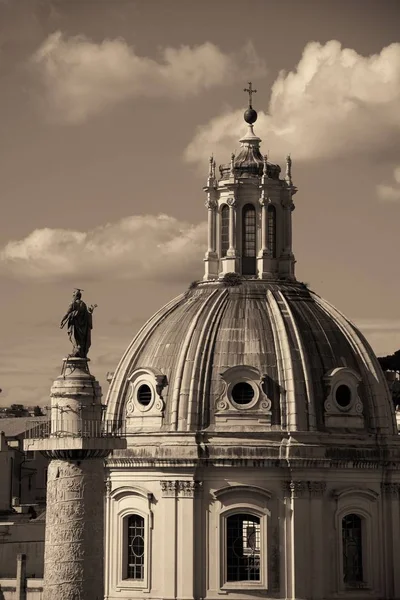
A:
x: 255, y: 356
x: 250, y: 348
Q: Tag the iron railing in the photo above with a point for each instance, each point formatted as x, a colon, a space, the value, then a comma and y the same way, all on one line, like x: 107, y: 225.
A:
x: 86, y: 428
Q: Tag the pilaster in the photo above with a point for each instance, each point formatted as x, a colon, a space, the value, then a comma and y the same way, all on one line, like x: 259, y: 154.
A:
x: 391, y: 525
x: 298, y: 539
x: 211, y: 258
x: 169, y: 490
x: 230, y: 263
x: 317, y: 491
x: 264, y: 262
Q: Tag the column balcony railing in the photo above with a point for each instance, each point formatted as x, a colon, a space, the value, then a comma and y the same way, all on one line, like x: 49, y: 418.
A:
x: 76, y: 428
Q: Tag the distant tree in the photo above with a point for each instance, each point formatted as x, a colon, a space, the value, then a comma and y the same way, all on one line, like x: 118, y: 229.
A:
x: 18, y: 410
x: 390, y: 362
x: 37, y: 412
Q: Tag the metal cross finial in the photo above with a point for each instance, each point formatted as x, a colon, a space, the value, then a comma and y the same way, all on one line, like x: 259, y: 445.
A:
x: 250, y: 91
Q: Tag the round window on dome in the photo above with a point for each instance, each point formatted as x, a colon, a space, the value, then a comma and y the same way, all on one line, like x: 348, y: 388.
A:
x: 242, y: 393
x: 144, y: 395
x: 343, y: 396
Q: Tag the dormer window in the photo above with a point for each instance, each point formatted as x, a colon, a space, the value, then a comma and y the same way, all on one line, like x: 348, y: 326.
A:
x: 343, y: 406
x: 243, y: 400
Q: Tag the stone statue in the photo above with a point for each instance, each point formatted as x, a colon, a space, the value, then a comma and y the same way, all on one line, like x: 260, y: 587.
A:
x: 79, y: 321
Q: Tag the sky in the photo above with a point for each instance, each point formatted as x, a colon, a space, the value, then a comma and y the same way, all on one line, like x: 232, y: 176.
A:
x: 109, y: 111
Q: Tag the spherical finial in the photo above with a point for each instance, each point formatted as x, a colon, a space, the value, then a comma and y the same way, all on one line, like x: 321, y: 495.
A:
x: 250, y: 116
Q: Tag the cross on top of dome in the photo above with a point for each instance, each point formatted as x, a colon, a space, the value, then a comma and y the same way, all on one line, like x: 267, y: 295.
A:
x: 250, y: 115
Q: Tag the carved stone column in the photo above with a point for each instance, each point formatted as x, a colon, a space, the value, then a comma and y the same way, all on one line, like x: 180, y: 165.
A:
x: 73, y: 559
x: 211, y: 259
x: 287, y: 258
x: 211, y: 207
x: 264, y: 263
x: 264, y: 227
x: 232, y: 222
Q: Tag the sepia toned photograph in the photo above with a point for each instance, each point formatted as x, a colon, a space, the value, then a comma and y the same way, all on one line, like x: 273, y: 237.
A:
x: 199, y: 299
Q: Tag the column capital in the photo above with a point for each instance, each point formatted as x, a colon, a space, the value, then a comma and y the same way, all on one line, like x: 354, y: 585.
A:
x: 317, y: 488
x: 169, y: 488
x: 211, y: 203
x: 231, y: 202
x: 390, y: 489
x: 181, y: 488
x: 296, y: 489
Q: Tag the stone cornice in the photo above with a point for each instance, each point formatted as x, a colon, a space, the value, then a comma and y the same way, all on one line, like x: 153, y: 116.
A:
x: 146, y: 462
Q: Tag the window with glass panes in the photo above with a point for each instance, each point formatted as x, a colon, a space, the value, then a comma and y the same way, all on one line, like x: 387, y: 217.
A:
x: 243, y: 541
x: 224, y: 230
x: 249, y: 240
x: 135, y: 539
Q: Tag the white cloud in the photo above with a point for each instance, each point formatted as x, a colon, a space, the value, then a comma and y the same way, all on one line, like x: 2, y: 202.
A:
x: 138, y: 247
x: 81, y: 78
x: 390, y: 193
x: 336, y: 102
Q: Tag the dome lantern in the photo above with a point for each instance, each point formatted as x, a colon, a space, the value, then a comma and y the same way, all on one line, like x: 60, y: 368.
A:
x: 250, y: 213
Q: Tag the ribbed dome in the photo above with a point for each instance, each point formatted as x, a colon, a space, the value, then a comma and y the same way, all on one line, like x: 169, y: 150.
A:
x: 290, y: 346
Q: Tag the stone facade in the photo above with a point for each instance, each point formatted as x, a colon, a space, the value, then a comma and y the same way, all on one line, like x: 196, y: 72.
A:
x: 267, y: 464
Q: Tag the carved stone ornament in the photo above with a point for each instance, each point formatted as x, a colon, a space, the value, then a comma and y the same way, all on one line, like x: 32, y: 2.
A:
x: 341, y: 413
x: 296, y: 489
x: 173, y: 488
x: 211, y: 204
x: 390, y: 489
x: 317, y: 488
x: 256, y: 411
x: 169, y: 488
x: 231, y: 202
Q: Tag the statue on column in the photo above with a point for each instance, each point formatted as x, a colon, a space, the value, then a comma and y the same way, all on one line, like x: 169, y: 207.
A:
x: 78, y: 319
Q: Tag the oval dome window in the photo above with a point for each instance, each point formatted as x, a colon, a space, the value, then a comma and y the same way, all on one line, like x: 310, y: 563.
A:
x: 144, y: 395
x: 343, y: 396
x: 242, y: 393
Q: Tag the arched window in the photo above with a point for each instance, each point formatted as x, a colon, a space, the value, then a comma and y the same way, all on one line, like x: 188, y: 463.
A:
x: 352, y: 550
x: 135, y: 547
x: 224, y: 230
x: 249, y: 240
x: 243, y: 541
x: 271, y: 234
